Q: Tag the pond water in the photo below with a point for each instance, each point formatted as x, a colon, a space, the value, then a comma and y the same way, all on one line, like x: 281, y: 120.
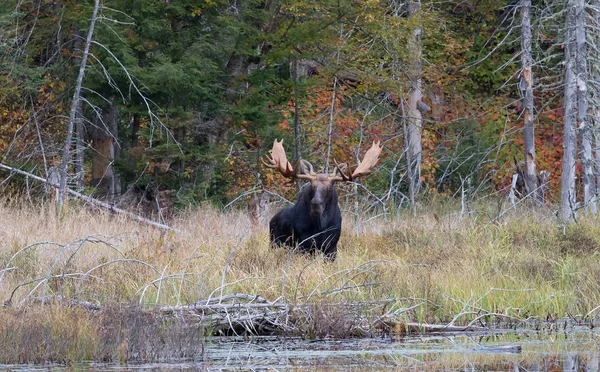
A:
x: 577, y: 350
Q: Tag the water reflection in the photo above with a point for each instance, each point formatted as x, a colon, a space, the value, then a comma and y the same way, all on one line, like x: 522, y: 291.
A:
x: 577, y: 350
x: 527, y: 351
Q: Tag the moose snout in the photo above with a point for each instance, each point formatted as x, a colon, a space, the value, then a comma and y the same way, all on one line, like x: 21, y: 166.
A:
x: 316, y: 209
x: 317, y: 206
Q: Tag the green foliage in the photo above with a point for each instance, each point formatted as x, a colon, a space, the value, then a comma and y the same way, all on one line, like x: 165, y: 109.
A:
x: 203, y: 87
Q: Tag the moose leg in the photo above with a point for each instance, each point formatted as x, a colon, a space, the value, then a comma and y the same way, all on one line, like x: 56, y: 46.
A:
x: 279, y: 231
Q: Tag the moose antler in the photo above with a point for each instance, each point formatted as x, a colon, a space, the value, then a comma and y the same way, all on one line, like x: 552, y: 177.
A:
x: 365, y: 167
x: 279, y: 161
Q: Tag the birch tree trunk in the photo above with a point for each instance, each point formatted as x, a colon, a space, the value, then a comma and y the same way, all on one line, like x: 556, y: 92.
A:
x: 585, y: 129
x: 415, y: 118
x: 568, y: 197
x: 62, y: 191
x: 526, y: 87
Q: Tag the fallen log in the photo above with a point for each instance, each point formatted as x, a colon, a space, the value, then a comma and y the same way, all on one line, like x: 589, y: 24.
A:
x: 241, y: 314
x: 91, y: 200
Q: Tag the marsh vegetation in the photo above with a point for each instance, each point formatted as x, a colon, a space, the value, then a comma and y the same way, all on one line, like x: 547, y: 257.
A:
x: 94, y: 286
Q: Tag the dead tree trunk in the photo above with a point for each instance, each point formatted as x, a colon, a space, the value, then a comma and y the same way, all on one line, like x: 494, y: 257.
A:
x: 415, y: 117
x: 409, y: 163
x: 331, y: 121
x: 526, y: 87
x: 584, y: 125
x: 595, y: 94
x: 332, y: 107
x: 297, y: 153
x: 79, y: 128
x: 568, y: 197
x: 73, y: 113
x: 79, y: 149
x: 596, y: 135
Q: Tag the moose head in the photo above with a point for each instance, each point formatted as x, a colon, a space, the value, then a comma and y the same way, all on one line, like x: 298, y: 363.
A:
x: 314, y: 222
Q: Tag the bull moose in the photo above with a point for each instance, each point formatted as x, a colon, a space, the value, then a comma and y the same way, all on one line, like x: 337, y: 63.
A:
x: 314, y: 222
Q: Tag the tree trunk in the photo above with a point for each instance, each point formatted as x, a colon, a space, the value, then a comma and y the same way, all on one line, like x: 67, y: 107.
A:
x: 568, y: 197
x: 332, y: 107
x: 409, y: 163
x: 595, y: 98
x: 526, y: 87
x: 596, y: 133
x: 415, y: 118
x: 331, y: 121
x: 583, y: 123
x: 62, y: 193
x: 79, y: 127
x: 79, y: 149
x: 297, y: 153
x: 117, y: 145
x: 103, y: 144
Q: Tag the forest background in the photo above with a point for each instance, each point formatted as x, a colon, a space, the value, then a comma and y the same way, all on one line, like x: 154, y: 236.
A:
x: 161, y: 106
x: 175, y: 102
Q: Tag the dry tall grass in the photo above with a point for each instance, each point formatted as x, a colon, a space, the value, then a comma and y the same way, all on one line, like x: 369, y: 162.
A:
x: 446, y: 269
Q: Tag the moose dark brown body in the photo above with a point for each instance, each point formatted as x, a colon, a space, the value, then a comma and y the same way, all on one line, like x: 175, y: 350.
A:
x: 313, y: 224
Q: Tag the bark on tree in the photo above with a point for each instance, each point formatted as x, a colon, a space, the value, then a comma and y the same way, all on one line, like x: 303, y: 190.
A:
x: 596, y: 136
x: 594, y: 55
x: 332, y: 108
x: 104, y: 178
x: 79, y: 127
x: 526, y: 87
x: 415, y: 117
x: 79, y: 149
x: 297, y: 153
x: 583, y: 122
x: 409, y: 164
x: 568, y: 197
x: 62, y: 192
x: 331, y: 121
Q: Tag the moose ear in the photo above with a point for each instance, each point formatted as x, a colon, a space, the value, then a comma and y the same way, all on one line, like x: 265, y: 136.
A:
x: 343, y: 167
x: 305, y: 167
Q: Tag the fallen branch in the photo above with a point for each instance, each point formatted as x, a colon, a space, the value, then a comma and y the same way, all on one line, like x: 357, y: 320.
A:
x: 242, y: 314
x: 392, y: 326
x: 91, y: 200
x: 424, y: 328
x: 71, y: 302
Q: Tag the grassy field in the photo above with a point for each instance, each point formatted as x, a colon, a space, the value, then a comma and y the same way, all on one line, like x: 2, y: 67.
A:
x: 443, y: 267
